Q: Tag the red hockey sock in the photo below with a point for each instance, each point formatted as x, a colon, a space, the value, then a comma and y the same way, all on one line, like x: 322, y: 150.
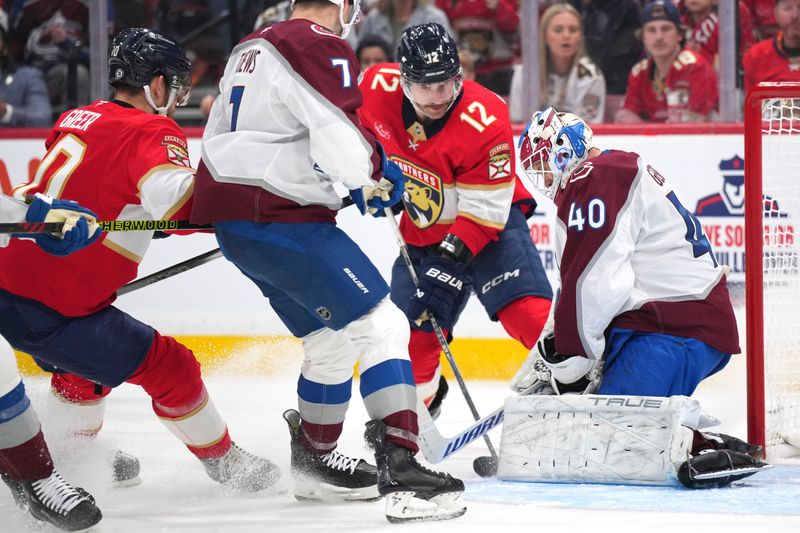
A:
x: 524, y: 319
x: 76, y: 389
x: 424, y: 349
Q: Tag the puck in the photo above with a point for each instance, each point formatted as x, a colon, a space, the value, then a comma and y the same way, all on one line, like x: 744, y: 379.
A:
x: 485, y: 466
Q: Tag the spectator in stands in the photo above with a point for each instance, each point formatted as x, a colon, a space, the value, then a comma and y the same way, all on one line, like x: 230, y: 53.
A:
x: 776, y: 59
x: 389, y: 18
x: 673, y: 84
x: 763, y: 12
x: 702, y: 34
x: 610, y: 28
x: 487, y: 37
x: 52, y: 35
x: 373, y: 50
x: 568, y: 80
x: 24, y: 101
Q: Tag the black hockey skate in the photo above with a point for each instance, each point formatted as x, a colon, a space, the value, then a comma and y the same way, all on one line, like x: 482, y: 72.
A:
x: 329, y: 477
x: 721, y: 441
x: 413, y: 493
x: 124, y: 469
x: 717, y: 468
x: 241, y: 470
x: 435, y: 407
x: 56, y: 502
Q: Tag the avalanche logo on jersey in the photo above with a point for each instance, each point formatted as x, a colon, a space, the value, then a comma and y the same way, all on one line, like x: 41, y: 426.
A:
x: 500, y: 162
x: 176, y: 153
x: 423, y: 197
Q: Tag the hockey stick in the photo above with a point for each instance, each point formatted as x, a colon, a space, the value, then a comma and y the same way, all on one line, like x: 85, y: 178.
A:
x: 440, y: 336
x: 168, y: 272
x: 32, y: 228
x: 437, y: 448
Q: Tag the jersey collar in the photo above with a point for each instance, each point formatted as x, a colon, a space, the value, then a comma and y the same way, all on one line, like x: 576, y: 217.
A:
x: 431, y: 129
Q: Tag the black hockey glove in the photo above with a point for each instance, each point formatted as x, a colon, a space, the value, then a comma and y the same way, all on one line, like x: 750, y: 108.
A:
x: 441, y: 280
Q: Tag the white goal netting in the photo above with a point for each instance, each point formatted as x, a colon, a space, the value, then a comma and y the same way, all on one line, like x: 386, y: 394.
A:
x: 781, y: 259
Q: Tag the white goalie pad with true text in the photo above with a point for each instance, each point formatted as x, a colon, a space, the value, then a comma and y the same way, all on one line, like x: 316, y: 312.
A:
x: 639, y: 440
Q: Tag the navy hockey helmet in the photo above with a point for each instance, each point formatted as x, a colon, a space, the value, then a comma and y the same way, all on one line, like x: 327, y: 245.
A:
x: 428, y: 54
x: 138, y: 54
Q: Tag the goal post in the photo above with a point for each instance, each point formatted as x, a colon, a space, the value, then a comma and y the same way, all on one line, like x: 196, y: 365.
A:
x: 772, y: 283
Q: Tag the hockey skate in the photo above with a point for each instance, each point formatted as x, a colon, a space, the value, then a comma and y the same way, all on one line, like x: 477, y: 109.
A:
x: 329, y: 477
x: 56, y: 502
x: 241, y: 470
x: 717, y: 468
x: 413, y: 493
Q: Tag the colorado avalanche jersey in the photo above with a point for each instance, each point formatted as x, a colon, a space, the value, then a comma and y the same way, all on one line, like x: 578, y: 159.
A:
x: 123, y: 164
x: 460, y: 168
x: 631, y: 256
x: 689, y: 89
x: 284, y: 129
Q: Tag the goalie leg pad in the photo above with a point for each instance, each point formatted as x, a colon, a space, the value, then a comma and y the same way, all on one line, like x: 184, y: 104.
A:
x: 600, y: 439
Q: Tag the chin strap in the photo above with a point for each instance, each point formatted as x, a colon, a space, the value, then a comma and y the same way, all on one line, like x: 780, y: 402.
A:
x: 173, y: 93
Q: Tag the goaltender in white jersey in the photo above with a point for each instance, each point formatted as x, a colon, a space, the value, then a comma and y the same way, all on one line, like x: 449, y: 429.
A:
x: 643, y: 308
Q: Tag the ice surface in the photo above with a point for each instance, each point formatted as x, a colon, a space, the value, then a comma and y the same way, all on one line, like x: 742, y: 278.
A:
x: 177, y: 496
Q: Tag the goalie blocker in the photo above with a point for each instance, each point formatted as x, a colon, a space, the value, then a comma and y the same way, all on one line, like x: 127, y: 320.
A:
x: 634, y: 440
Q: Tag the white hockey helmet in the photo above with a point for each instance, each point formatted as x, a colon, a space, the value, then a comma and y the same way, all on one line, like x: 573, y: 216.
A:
x: 553, y: 145
x: 355, y: 13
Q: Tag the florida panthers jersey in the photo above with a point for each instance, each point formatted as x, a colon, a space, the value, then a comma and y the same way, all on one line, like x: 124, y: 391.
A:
x: 284, y: 129
x: 631, y: 256
x: 689, y: 89
x: 460, y: 168
x: 123, y: 164
x: 770, y: 61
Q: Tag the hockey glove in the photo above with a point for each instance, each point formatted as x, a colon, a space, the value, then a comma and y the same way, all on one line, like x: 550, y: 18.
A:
x: 373, y: 199
x: 80, y: 224
x: 440, y: 283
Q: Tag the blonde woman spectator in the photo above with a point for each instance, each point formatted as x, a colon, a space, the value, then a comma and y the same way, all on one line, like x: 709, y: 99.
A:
x: 388, y: 19
x: 568, y: 80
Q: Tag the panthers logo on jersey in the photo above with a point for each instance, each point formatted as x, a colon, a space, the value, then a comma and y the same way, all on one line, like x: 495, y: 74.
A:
x: 423, y: 197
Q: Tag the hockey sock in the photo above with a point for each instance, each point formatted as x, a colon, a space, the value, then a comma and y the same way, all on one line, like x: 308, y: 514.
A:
x: 424, y: 349
x: 77, y: 404
x: 170, y: 374
x: 28, y: 461
x: 524, y: 319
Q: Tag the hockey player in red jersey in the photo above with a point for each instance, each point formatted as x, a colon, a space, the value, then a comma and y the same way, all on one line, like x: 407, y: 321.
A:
x: 465, y: 208
x: 25, y: 462
x: 125, y: 159
x: 281, y: 133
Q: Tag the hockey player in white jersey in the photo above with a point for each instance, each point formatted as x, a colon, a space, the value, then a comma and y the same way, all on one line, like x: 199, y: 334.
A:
x: 282, y: 131
x: 643, y: 306
x: 25, y: 462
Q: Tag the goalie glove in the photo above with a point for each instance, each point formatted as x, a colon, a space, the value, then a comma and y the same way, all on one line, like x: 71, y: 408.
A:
x: 80, y: 224
x: 562, y: 373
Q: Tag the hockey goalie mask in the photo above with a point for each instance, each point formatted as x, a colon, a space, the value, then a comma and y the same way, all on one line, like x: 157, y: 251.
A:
x: 551, y: 147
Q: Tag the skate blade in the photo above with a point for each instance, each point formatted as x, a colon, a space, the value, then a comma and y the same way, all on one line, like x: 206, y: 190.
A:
x: 305, y: 491
x: 403, y: 507
x: 732, y: 472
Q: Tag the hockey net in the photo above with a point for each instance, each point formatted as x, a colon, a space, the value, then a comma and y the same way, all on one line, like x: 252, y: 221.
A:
x: 772, y: 215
